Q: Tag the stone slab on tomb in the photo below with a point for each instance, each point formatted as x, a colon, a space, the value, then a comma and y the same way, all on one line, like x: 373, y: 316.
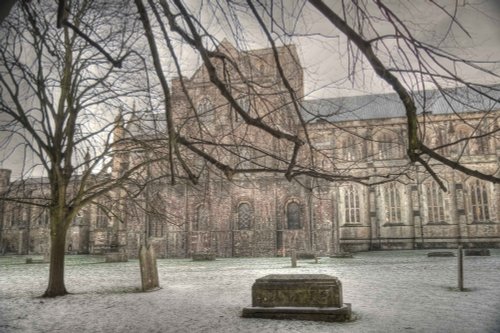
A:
x: 477, y: 252
x: 343, y: 313
x: 298, y: 296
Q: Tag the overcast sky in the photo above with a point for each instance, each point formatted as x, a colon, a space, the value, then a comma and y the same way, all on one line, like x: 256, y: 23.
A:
x: 323, y: 49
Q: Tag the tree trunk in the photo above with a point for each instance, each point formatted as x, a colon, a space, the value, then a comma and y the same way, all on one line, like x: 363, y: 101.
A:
x: 56, y: 285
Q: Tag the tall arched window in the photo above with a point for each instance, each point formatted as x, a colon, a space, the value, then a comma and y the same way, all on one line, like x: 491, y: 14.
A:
x: 392, y: 204
x: 479, y: 201
x: 206, y: 110
x: 351, y: 203
x: 435, y: 203
x: 101, y: 215
x: 201, y: 220
x: 244, y: 216
x: 293, y: 215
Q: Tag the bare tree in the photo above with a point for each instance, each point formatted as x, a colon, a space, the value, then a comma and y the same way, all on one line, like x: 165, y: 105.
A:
x: 264, y: 124
x: 64, y: 102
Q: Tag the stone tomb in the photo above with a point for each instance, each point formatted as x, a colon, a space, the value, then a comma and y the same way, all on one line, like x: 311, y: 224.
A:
x: 441, y: 254
x: 477, y: 252
x: 298, y: 296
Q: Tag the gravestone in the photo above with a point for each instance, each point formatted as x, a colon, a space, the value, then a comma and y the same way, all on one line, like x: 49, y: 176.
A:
x: 477, y: 252
x: 149, y: 270
x: 298, y: 296
x: 293, y: 257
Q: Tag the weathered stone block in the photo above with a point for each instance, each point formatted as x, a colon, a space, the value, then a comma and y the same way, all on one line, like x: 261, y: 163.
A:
x: 298, y: 296
x: 298, y: 290
x: 342, y: 255
x: 477, y: 252
x: 203, y: 256
x: 116, y: 257
x: 441, y: 254
x: 305, y: 255
x: 35, y: 261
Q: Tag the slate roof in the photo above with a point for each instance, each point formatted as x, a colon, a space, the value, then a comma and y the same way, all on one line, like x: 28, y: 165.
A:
x: 378, y: 106
x: 365, y: 107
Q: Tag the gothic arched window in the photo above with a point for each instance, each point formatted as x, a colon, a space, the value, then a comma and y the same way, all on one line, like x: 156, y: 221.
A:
x: 392, y: 204
x: 201, y: 221
x: 435, y: 203
x: 479, y: 201
x: 101, y: 215
x: 351, y: 203
x: 244, y: 216
x: 293, y: 215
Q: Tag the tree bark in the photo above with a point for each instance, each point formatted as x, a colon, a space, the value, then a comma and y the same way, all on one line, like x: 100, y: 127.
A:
x: 56, y: 285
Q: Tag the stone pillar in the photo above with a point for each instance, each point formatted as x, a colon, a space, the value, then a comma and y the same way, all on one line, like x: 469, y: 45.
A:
x: 149, y: 270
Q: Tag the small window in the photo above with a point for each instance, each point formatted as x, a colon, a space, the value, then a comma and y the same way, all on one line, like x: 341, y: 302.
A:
x: 293, y: 215
x: 463, y: 146
x: 244, y: 216
x: 206, y: 110
x: 352, y: 149
x: 388, y: 147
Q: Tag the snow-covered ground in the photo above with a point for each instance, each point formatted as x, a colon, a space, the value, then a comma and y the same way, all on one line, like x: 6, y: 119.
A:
x: 403, y: 291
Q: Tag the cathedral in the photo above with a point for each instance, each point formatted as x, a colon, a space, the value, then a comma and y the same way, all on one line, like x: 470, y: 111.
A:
x: 265, y: 214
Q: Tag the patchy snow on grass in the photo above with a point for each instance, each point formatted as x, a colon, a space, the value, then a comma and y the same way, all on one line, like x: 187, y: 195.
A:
x: 402, y: 291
